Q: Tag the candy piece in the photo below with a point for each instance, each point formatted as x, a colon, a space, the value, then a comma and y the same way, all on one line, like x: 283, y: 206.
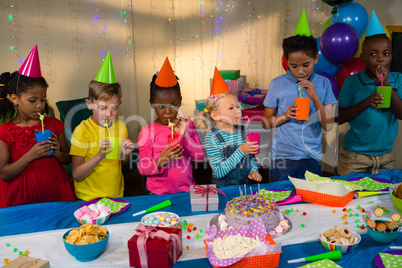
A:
x: 357, y: 221
x: 357, y: 215
x: 302, y: 225
x: 346, y: 222
x: 333, y: 211
x: 396, y: 217
x: 363, y: 210
x: 6, y: 261
x: 8, y: 245
x: 362, y: 227
x: 344, y: 209
x: 20, y: 253
x: 304, y: 213
x: 297, y: 210
x: 188, y: 237
x: 194, y: 228
x: 15, y: 249
x: 184, y: 223
x: 387, y: 211
x: 392, y: 225
x: 201, y: 231
x: 189, y: 230
x: 371, y: 224
x: 378, y: 212
x: 187, y: 247
x: 198, y: 236
x: 381, y: 227
x: 371, y: 202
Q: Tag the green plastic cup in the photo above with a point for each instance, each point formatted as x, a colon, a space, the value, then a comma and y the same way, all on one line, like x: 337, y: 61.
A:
x: 386, y: 94
x: 116, y: 148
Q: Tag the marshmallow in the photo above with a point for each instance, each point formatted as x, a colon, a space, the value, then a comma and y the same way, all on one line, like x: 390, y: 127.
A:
x: 78, y: 213
x: 93, y: 207
x: 85, y: 210
x: 86, y: 217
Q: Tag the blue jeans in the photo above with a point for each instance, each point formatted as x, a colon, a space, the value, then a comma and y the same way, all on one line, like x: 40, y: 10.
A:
x: 281, y: 168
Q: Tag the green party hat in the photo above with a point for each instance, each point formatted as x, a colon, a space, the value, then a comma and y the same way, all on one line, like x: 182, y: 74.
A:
x: 106, y: 72
x: 302, y: 27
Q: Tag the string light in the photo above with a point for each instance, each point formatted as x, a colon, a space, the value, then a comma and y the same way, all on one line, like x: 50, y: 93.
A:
x: 103, y: 35
x: 14, y: 32
x: 126, y: 19
x: 76, y: 34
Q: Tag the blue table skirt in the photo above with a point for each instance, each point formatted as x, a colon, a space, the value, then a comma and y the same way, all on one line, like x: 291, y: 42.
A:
x: 58, y: 215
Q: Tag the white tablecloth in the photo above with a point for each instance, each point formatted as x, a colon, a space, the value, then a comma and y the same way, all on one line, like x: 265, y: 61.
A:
x: 49, y: 245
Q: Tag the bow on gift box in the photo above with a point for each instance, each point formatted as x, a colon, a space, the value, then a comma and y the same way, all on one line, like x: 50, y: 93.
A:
x: 152, y: 232
x: 251, y: 93
x: 205, y: 190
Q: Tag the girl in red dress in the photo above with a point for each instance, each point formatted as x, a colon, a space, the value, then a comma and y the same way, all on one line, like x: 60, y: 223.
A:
x: 27, y: 175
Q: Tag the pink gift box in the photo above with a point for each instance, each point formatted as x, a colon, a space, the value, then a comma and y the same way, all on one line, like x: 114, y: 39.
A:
x: 252, y: 95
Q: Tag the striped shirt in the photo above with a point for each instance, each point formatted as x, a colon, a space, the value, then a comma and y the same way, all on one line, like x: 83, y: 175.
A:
x: 214, y: 150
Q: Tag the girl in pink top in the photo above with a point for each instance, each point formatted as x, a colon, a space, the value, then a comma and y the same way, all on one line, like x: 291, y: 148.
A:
x: 168, y: 170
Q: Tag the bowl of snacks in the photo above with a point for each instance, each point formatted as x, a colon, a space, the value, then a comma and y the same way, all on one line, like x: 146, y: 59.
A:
x: 384, y: 230
x: 87, y: 242
x: 94, y: 213
x: 396, y: 193
x: 340, y: 238
x: 161, y: 219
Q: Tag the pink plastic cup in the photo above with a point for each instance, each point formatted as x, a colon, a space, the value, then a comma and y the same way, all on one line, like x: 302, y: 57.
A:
x: 177, y: 139
x: 251, y: 137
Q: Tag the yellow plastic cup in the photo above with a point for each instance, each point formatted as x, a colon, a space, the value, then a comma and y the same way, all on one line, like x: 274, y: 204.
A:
x: 114, y: 154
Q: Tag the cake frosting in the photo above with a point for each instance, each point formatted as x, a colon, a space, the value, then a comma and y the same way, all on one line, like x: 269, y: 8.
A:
x: 243, y: 210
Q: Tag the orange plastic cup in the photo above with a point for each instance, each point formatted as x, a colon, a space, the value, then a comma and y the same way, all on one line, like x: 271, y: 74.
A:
x: 177, y: 139
x: 303, y: 104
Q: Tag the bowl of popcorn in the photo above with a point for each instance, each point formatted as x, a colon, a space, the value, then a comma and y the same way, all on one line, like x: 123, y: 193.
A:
x: 161, y: 219
x: 339, y: 238
x: 94, y: 213
x: 87, y: 242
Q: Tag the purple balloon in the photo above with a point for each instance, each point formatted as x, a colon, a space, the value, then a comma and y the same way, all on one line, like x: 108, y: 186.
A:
x: 339, y: 43
x: 334, y: 84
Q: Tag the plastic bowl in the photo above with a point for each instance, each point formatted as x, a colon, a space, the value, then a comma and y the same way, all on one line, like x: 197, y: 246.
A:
x: 343, y: 248
x: 166, y: 224
x: 85, y: 253
x: 381, y: 237
x: 397, y: 202
x: 98, y: 221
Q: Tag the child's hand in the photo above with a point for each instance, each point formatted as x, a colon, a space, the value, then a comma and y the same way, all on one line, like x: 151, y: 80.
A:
x: 384, y: 71
x: 55, y: 144
x: 255, y: 176
x: 127, y: 146
x: 180, y: 125
x: 39, y: 149
x: 373, y: 99
x: 102, y: 149
x: 309, y: 87
x: 168, y: 155
x: 291, y: 112
x: 249, y: 147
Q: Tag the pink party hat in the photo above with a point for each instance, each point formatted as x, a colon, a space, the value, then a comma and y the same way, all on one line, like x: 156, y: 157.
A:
x: 374, y: 27
x: 31, y: 66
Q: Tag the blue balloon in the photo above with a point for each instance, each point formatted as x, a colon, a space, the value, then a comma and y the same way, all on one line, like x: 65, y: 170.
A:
x: 334, y: 84
x: 324, y: 65
x: 339, y: 43
x: 353, y: 14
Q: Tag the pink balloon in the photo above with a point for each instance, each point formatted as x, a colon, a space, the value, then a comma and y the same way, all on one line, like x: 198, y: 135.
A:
x: 284, y: 62
x: 353, y: 66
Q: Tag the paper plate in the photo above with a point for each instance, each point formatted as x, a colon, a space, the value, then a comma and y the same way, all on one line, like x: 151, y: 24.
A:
x: 292, y: 194
x: 378, y: 260
x: 90, y: 202
x: 376, y: 179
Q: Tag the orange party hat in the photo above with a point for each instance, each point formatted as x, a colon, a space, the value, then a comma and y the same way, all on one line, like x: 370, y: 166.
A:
x: 166, y: 77
x: 218, y: 84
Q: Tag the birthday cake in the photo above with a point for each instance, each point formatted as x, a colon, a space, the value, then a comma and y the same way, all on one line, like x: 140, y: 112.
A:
x: 243, y: 210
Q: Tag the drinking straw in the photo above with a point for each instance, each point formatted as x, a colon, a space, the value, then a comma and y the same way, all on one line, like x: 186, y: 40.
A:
x: 396, y: 247
x: 248, y: 119
x: 164, y: 204
x: 41, y: 117
x: 171, y: 125
x: 299, y: 89
x: 107, y: 127
x: 382, y: 79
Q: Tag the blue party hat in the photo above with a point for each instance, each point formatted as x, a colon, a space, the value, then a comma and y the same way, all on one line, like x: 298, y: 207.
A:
x: 374, y: 27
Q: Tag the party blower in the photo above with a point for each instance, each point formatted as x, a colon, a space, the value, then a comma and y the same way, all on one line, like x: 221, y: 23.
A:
x: 159, y: 206
x: 252, y: 136
x: 332, y: 255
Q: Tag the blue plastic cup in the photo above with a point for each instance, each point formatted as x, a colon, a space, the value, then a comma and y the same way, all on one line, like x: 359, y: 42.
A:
x: 44, y: 136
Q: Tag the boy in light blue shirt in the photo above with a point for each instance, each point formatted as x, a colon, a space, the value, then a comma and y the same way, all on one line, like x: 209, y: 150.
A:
x: 296, y: 144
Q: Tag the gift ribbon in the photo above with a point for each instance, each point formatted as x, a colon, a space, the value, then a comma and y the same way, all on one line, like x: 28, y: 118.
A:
x: 251, y: 93
x: 205, y: 190
x: 151, y: 232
